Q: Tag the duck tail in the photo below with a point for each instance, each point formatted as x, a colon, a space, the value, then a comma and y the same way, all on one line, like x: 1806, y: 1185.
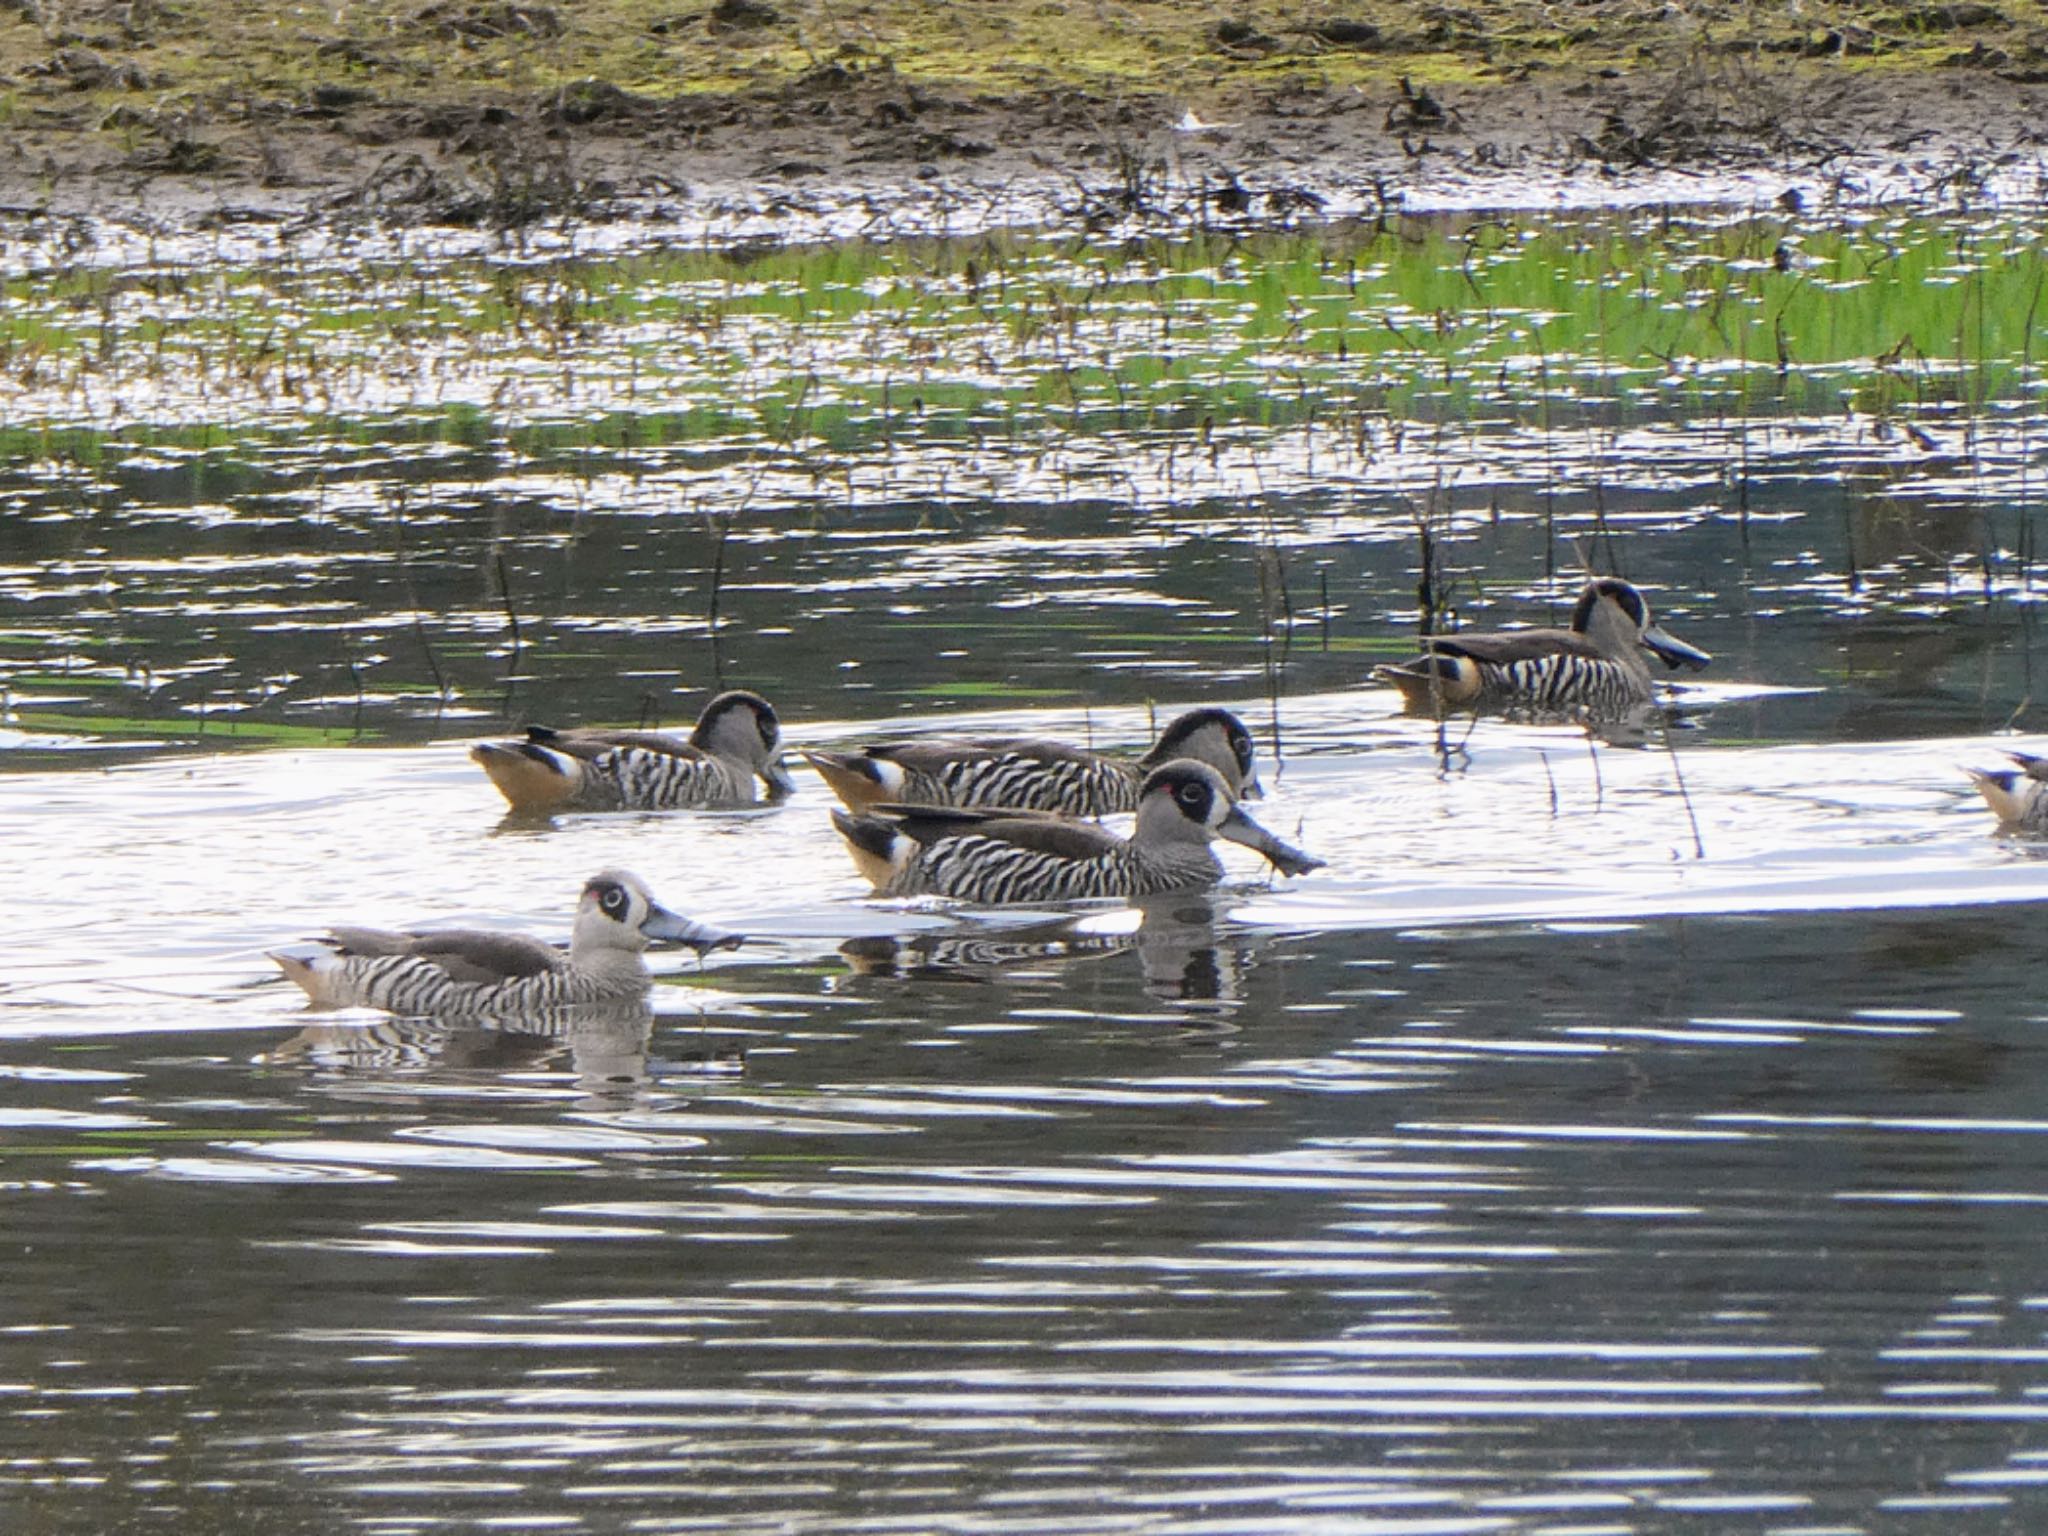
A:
x: 1432, y: 677
x: 305, y: 970
x: 530, y: 776
x: 881, y: 850
x: 856, y: 778
x: 2000, y: 788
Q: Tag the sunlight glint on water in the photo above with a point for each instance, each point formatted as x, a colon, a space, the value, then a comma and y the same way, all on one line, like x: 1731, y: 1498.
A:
x: 1616, y: 1136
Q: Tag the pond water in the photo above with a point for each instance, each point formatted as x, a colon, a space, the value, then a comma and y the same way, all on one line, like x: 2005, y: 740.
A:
x: 1636, y: 1134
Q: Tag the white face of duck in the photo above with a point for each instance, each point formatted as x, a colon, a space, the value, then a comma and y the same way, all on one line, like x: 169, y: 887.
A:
x: 742, y: 726
x: 1248, y: 785
x: 618, y: 912
x: 1616, y: 617
x: 1218, y: 738
x: 1186, y: 802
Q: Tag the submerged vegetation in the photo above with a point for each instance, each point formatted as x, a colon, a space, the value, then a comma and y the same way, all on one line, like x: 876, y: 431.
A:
x: 367, y: 495
x: 853, y: 344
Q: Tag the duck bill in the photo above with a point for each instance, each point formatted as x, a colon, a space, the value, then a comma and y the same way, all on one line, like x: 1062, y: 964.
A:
x: 1251, y: 788
x: 678, y: 929
x: 777, y: 778
x: 1240, y: 828
x: 1672, y: 651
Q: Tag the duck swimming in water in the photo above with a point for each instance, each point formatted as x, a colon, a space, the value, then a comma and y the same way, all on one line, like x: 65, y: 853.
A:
x: 1028, y: 773
x: 1598, y: 666
x: 440, y: 971
x: 737, y: 738
x: 996, y: 856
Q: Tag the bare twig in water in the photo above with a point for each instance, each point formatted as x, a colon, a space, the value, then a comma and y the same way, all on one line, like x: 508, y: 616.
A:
x: 1425, y: 580
x: 1699, y: 847
x: 412, y: 597
x: 511, y: 612
x: 1432, y: 587
x: 1445, y: 751
x: 518, y: 640
x: 1272, y: 576
x: 2024, y: 550
x: 724, y: 521
x: 1549, y: 456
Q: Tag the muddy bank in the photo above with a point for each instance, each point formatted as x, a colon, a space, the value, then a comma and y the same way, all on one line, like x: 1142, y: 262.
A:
x: 842, y: 151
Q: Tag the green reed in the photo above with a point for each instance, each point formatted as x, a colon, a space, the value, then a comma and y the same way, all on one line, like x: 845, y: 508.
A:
x: 1429, y: 320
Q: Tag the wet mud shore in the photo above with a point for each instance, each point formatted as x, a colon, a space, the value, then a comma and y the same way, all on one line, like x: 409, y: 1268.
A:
x: 852, y: 148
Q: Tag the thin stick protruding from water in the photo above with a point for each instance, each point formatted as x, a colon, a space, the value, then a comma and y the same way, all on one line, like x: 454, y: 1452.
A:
x: 1269, y: 575
x: 412, y: 597
x: 1699, y: 847
x: 511, y: 611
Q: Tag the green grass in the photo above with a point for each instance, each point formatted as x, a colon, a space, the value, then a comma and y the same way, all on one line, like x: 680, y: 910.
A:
x: 1010, y: 336
x: 218, y: 730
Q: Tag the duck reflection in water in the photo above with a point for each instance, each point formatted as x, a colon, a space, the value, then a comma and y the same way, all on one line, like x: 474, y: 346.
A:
x: 1178, y: 941
x: 605, y: 1046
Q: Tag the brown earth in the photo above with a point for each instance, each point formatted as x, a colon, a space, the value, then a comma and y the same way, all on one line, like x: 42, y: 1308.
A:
x: 855, y: 139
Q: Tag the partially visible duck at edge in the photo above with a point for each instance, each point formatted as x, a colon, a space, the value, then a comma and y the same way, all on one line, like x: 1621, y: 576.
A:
x: 1598, y: 666
x: 994, y: 857
x: 737, y: 739
x: 1028, y: 773
x: 443, y: 971
x: 2018, y: 795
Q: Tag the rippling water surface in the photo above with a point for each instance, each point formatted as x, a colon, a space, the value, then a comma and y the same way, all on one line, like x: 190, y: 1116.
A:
x: 1634, y: 1133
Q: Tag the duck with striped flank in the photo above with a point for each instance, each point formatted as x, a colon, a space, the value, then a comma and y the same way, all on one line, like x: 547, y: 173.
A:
x: 2017, y: 795
x: 1599, y: 666
x: 737, y: 738
x: 994, y: 856
x: 444, y: 971
x: 1027, y: 773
